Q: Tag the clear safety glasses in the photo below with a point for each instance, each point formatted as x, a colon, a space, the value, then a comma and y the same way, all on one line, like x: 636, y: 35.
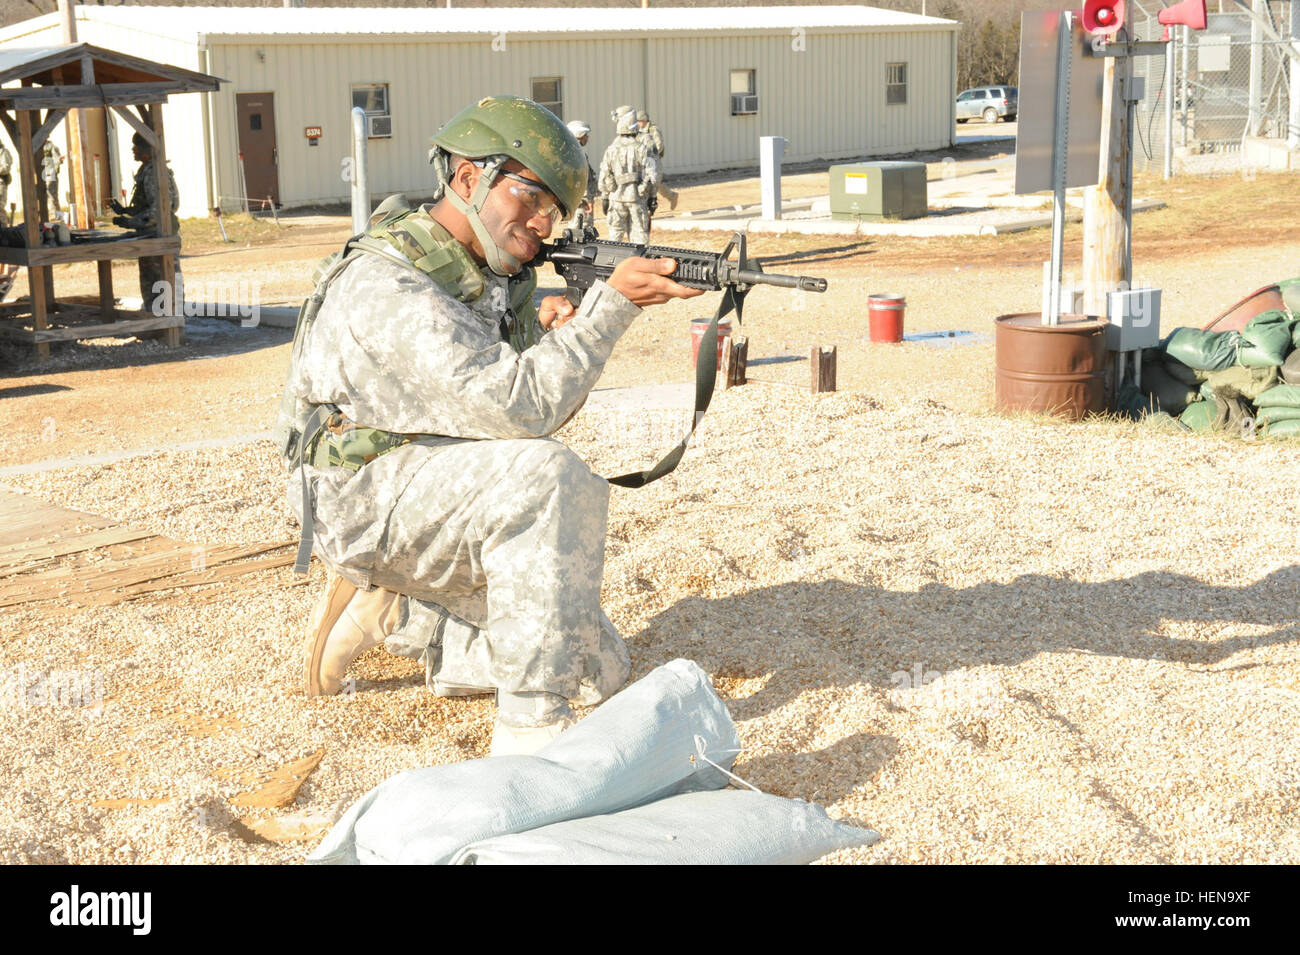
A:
x: 538, y: 200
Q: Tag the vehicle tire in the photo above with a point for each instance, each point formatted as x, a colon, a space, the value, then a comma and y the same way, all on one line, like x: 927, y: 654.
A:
x: 960, y: 121
x: 990, y: 115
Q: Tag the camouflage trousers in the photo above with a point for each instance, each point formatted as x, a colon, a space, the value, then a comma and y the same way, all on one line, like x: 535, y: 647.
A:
x: 628, y: 222
x: 151, y: 273
x: 498, y: 547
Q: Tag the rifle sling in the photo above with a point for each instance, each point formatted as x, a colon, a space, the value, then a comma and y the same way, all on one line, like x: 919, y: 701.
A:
x: 706, y: 372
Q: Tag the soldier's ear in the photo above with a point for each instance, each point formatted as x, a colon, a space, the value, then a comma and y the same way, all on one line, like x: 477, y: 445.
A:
x: 464, y: 178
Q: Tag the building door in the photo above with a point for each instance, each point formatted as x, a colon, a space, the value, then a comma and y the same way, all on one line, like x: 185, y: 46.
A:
x: 256, y: 118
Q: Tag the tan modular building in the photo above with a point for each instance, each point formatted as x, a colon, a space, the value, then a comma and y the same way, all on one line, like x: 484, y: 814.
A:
x: 837, y: 82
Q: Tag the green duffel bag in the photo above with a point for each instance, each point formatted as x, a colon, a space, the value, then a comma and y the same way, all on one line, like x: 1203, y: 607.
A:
x: 1238, y: 380
x: 1287, y: 396
x: 1289, y: 428
x: 1277, y: 413
x: 1291, y: 297
x: 1266, y: 339
x: 1291, y: 367
x: 1166, y: 392
x: 1207, y: 351
x: 1176, y: 369
x: 1200, y: 415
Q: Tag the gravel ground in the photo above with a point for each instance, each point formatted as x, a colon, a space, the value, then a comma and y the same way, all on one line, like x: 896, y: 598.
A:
x: 989, y: 638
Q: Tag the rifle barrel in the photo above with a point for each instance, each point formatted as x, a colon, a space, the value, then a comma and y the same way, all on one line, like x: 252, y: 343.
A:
x: 803, y: 282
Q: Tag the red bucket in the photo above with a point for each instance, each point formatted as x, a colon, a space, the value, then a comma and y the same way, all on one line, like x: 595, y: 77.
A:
x: 885, y: 317
x: 701, y: 325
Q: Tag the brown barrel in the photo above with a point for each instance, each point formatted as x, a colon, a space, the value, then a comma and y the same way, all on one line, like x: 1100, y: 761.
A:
x: 1256, y: 303
x: 1052, y: 369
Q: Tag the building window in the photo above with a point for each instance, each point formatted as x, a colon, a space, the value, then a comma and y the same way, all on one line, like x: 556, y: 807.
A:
x: 896, y: 84
x: 373, y: 98
x: 744, y: 93
x: 547, y: 91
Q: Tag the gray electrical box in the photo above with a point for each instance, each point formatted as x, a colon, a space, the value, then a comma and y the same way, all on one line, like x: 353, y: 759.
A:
x: 1133, y: 319
x: 879, y: 190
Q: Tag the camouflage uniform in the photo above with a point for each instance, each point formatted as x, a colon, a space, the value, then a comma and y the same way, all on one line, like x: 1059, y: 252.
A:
x: 653, y: 139
x: 628, y: 175
x: 51, y: 159
x: 6, y: 177
x: 654, y: 143
x: 493, y: 532
x: 141, y: 213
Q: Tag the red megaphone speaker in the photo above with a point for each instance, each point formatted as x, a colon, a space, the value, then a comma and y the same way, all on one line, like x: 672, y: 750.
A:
x: 1189, y: 13
x: 1102, y: 17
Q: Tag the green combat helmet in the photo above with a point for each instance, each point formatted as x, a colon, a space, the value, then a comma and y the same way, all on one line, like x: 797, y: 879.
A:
x: 498, y: 128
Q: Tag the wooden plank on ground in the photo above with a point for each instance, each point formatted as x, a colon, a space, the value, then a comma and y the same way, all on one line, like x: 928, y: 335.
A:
x: 213, y: 575
x: 17, y: 559
x: 188, y: 563
x: 22, y: 516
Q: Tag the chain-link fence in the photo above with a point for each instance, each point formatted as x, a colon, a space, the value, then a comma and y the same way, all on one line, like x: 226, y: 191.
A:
x: 1225, y: 87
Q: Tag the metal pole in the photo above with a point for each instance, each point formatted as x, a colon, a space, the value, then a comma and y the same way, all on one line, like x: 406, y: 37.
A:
x: 1293, y: 120
x: 243, y: 186
x: 1169, y: 110
x: 1186, y: 32
x: 360, y: 180
x: 1064, y: 52
x: 1255, y: 110
x: 1130, y: 116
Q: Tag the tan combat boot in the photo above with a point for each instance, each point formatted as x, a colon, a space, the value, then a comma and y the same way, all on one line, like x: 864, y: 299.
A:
x: 510, y: 740
x: 345, y: 623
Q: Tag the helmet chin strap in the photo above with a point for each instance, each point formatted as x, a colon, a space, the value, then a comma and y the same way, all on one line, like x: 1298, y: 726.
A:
x: 498, y: 259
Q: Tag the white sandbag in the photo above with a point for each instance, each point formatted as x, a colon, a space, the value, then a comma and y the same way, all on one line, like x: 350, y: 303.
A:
x: 727, y: 827
x: 645, y: 743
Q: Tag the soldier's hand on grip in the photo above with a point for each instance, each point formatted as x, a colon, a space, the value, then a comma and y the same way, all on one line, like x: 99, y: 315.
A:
x: 644, y: 281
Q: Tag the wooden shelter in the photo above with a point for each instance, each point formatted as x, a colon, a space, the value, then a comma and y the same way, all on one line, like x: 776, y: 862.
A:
x: 80, y: 76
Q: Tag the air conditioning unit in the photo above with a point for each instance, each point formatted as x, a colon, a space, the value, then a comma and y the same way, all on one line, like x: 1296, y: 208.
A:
x: 744, y: 104
x: 379, y: 127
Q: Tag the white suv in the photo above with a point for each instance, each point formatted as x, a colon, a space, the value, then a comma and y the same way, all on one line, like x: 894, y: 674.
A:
x: 987, y: 103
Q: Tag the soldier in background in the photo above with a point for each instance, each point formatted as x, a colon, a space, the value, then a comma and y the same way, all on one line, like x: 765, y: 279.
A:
x: 585, y: 215
x: 141, y: 215
x: 51, y: 160
x: 6, y: 177
x: 629, y: 173
x: 654, y: 141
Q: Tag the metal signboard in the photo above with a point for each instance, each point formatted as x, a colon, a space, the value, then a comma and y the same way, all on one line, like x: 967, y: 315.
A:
x: 1037, y: 118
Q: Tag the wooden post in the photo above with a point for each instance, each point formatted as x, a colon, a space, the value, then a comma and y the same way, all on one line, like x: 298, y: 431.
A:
x: 28, y: 170
x: 106, y: 290
x: 1106, y: 265
x: 822, y: 360
x: 735, y: 355
x: 82, y: 184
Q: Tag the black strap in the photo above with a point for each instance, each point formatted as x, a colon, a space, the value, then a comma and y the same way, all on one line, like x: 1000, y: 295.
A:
x: 706, y: 373
x: 315, y: 424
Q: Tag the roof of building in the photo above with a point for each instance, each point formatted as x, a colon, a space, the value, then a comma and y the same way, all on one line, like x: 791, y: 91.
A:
x: 209, y: 23
x: 118, y: 77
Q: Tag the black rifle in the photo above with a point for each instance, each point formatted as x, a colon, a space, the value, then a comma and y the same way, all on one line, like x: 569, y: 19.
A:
x: 582, y: 260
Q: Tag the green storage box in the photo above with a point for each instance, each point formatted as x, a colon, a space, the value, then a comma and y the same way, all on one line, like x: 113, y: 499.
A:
x: 879, y: 190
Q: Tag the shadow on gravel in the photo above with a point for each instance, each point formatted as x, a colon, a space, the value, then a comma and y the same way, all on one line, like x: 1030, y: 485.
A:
x: 813, y: 256
x: 27, y: 391
x: 866, y: 634
x: 823, y: 776
x: 205, y: 338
